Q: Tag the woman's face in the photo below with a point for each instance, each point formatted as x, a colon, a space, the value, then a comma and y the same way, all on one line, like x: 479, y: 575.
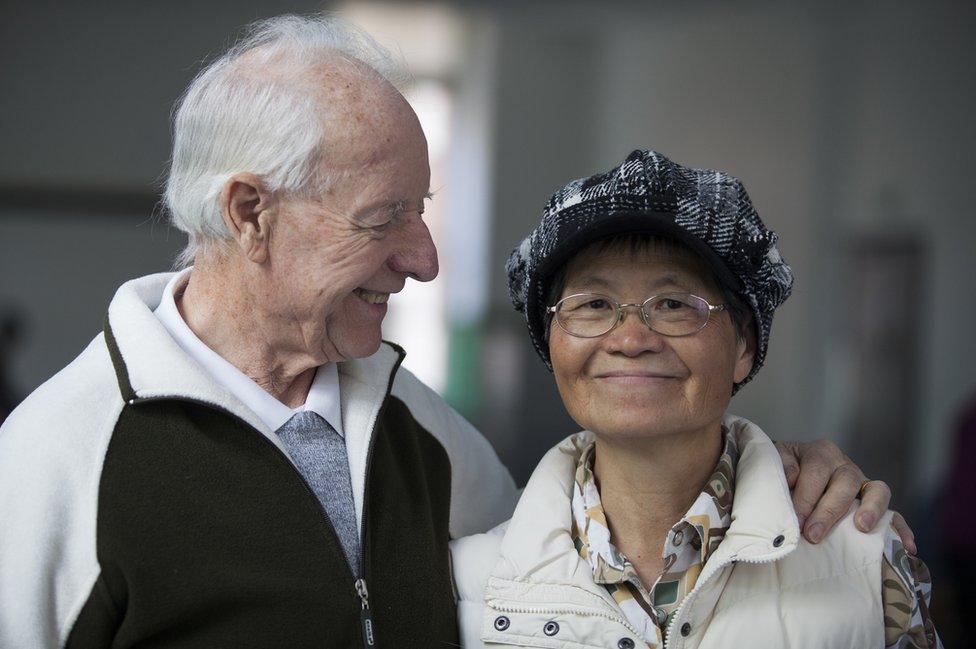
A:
x: 634, y: 382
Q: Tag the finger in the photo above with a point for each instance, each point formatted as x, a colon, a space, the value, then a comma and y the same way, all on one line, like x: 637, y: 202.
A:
x: 905, y: 532
x: 835, y: 502
x: 814, y: 474
x: 875, y: 498
x: 791, y: 462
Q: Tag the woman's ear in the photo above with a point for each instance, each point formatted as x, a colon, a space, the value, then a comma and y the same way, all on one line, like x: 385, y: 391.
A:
x: 745, y: 351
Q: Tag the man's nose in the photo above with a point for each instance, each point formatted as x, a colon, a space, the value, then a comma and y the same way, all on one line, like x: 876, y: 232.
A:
x: 417, y: 256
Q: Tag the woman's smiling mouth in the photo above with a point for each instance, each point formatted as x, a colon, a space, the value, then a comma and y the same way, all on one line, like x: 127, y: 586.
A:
x: 635, y: 378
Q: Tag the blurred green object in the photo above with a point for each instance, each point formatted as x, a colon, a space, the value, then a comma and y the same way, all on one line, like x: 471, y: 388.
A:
x: 464, y: 386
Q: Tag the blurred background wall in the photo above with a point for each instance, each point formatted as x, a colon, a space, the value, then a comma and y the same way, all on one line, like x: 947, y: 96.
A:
x: 851, y: 123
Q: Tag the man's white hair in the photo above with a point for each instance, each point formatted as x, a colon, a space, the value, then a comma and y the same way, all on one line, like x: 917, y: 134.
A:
x: 260, y: 115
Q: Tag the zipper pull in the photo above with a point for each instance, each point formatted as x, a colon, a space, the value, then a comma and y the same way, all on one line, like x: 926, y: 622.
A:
x: 365, y: 616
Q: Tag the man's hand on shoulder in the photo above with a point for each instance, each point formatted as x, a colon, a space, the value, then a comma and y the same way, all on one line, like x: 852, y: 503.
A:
x: 825, y: 483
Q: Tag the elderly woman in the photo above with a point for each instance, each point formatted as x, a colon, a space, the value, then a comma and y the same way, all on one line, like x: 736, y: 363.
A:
x: 649, y: 290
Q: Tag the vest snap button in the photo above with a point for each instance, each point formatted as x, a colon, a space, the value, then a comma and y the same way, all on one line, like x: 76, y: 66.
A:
x: 685, y: 629
x: 551, y: 628
x: 502, y: 623
x: 778, y: 541
x: 662, y: 616
x: 625, y: 643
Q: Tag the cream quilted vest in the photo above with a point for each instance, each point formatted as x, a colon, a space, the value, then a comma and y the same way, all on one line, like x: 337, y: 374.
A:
x: 523, y: 584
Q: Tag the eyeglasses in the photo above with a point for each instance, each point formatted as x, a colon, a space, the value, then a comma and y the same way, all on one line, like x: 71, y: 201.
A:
x: 591, y: 315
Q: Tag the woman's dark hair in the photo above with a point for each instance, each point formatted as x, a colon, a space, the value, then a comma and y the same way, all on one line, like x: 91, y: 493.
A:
x: 739, y: 310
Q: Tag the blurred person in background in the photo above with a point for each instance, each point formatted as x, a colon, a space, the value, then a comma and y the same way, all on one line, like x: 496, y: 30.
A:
x: 649, y: 291
x: 956, y: 531
x: 238, y: 459
x: 11, y: 330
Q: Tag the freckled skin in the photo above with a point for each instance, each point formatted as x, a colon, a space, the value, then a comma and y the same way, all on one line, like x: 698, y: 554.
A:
x: 324, y: 248
x: 277, y: 316
x: 705, y: 365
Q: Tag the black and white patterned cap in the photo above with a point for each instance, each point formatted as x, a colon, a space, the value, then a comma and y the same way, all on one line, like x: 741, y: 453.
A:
x: 709, y: 211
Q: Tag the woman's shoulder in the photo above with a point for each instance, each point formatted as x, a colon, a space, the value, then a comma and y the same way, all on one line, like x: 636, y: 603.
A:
x: 845, y: 550
x: 473, y: 558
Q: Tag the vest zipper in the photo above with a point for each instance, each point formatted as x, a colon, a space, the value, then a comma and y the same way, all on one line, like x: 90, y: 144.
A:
x: 535, y: 610
x: 703, y: 579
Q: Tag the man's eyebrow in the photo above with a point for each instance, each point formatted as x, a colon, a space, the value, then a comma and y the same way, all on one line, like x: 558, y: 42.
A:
x: 402, y: 204
x: 393, y: 207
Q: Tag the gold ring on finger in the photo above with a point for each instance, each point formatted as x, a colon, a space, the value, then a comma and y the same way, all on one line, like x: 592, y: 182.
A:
x: 860, y: 492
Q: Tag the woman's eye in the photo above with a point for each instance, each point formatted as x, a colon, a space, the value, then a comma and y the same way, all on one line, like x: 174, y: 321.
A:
x: 597, y: 304
x: 672, y: 305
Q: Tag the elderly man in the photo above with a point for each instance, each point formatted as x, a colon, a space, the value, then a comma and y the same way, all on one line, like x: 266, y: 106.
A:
x: 236, y: 460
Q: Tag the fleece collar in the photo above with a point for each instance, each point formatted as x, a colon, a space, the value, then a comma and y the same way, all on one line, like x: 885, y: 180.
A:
x: 149, y: 364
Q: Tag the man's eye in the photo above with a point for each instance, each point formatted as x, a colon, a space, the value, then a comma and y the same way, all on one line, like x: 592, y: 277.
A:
x: 384, y: 221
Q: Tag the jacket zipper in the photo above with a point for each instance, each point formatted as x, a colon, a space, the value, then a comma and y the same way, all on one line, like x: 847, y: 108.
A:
x: 366, y: 617
x: 369, y: 636
x: 359, y: 583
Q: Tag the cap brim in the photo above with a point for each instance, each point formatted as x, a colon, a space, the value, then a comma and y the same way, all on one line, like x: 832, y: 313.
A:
x: 643, y: 222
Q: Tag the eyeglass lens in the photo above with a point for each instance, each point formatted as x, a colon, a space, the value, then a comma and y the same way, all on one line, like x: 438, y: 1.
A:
x: 673, y: 314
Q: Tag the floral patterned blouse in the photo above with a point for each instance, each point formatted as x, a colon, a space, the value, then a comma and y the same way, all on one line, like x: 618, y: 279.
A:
x: 906, y: 583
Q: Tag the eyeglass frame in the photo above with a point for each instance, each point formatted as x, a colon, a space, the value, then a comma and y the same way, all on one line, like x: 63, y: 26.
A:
x: 621, y: 313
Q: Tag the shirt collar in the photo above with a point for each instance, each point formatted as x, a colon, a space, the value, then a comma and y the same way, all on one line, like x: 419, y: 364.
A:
x: 323, y: 395
x: 709, y: 516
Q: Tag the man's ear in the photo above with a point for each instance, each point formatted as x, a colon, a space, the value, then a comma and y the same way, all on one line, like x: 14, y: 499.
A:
x: 249, y: 211
x: 745, y: 352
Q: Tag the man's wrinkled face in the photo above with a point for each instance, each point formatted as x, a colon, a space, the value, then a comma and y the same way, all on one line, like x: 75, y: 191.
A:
x: 337, y: 258
x: 635, y: 382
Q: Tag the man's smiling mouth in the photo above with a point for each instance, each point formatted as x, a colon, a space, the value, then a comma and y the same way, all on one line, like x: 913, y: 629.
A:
x: 372, y: 297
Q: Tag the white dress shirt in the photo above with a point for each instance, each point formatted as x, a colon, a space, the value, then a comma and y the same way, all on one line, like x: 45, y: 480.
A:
x: 323, y: 395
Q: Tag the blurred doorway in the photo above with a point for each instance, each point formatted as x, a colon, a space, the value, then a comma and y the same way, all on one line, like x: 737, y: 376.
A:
x: 887, y: 308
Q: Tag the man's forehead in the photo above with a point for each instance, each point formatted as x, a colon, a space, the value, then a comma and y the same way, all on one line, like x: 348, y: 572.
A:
x: 376, y: 174
x: 374, y: 136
